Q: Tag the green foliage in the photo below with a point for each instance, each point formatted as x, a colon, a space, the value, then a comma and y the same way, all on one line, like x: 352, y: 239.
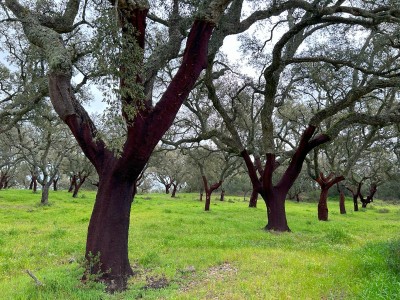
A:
x: 178, y: 251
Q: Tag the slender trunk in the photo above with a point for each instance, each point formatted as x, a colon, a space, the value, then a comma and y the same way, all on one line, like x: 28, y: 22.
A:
x: 107, y: 240
x: 167, y: 187
x: 253, y: 198
x: 76, y: 190
x: 276, y: 213
x: 342, y: 203
x: 209, y: 191
x: 201, y: 196
x: 222, y: 198
x: 34, y: 184
x: 55, y: 187
x: 72, y: 183
x: 323, y: 204
x: 31, y: 184
x: 174, y: 189
x: 297, y: 197
x: 355, y: 202
x: 208, y: 200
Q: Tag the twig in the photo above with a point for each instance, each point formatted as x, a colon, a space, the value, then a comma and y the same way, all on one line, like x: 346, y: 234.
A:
x: 37, y: 281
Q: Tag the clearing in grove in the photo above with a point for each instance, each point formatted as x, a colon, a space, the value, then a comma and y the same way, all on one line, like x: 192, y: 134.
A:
x: 179, y: 251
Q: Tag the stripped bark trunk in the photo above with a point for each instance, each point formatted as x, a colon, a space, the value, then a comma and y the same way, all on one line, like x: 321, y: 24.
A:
x: 342, y: 206
x: 275, y: 195
x: 253, y: 198
x: 325, y: 183
x: 209, y: 191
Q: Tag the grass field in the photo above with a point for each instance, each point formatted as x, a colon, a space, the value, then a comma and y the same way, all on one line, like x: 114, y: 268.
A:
x: 178, y: 251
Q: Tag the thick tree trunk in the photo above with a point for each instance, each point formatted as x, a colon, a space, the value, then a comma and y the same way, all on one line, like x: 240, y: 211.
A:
x: 323, y: 204
x: 45, y: 194
x: 325, y: 183
x: 276, y: 213
x: 253, y: 198
x: 107, y: 239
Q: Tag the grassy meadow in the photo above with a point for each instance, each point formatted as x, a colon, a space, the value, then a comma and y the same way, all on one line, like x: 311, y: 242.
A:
x: 178, y: 251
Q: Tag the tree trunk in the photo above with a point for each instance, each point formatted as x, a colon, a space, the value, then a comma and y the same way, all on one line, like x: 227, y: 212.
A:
x: 201, y: 196
x: 253, y: 198
x: 55, y: 187
x: 355, y: 202
x: 45, y: 194
x: 31, y: 184
x: 325, y: 183
x: 76, y: 190
x: 209, y: 191
x: 167, y: 187
x: 222, y: 198
x: 72, y: 183
x: 276, y: 214
x: 342, y: 206
x: 208, y: 200
x: 297, y: 196
x: 174, y: 189
x: 323, y: 205
x: 108, y: 232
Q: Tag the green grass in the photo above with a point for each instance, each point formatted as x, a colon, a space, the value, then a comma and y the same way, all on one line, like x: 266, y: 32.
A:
x: 181, y: 252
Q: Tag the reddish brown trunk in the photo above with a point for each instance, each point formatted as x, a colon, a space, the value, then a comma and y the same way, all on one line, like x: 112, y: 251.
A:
x: 342, y: 206
x: 275, y: 196
x: 77, y: 186
x: 323, y: 204
x: 276, y: 213
x: 325, y: 183
x: 108, y: 231
x: 253, y: 198
x: 208, y: 201
x: 209, y: 191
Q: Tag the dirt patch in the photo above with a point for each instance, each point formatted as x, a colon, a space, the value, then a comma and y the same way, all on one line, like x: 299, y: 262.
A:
x: 218, y: 272
x: 156, y: 282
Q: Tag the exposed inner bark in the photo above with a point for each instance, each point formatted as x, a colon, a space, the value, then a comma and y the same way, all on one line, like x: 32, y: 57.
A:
x: 342, y: 205
x: 107, y: 240
x: 275, y: 195
x: 253, y: 198
x: 209, y: 191
x: 325, y: 183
